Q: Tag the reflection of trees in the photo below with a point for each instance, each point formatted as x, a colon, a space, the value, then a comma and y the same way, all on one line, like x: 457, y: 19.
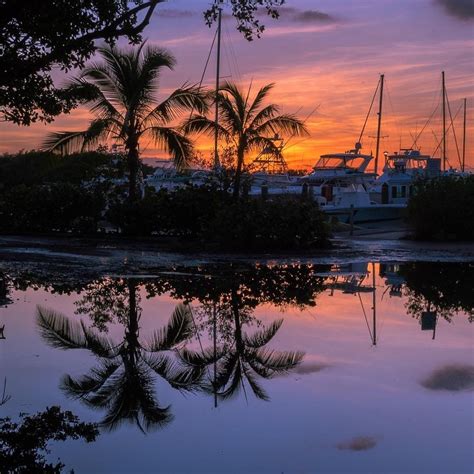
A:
x: 445, y: 288
x: 4, y: 290
x: 23, y: 446
x: 123, y: 381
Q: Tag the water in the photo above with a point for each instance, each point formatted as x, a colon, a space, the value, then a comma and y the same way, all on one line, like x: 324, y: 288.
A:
x: 308, y: 376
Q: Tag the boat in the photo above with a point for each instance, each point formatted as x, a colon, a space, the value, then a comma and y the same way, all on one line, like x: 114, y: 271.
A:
x: 400, y: 173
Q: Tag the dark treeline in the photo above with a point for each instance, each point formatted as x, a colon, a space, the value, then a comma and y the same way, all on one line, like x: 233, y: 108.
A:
x: 41, y: 192
x: 443, y: 209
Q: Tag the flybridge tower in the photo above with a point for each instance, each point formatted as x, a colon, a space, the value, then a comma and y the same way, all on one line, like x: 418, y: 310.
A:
x: 270, y: 159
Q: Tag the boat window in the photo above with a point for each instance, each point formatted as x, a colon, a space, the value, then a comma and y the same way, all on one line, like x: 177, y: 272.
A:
x: 404, y: 191
x: 394, y: 191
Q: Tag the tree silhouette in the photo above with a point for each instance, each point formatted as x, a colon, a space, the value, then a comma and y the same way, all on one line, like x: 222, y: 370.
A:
x: 123, y: 381
x: 245, y: 123
x: 122, y: 94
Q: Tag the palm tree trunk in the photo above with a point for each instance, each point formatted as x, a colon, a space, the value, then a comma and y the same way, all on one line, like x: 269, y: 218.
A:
x: 133, y: 165
x: 238, y: 172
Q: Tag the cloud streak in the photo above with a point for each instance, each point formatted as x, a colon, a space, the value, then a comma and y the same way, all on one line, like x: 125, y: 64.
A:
x: 460, y: 9
x: 359, y: 443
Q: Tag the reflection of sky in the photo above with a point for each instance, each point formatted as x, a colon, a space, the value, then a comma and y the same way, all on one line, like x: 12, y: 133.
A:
x: 363, y: 392
x: 333, y: 64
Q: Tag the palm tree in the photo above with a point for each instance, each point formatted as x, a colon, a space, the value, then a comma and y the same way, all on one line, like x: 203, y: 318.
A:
x: 122, y: 94
x: 122, y: 383
x: 246, y: 123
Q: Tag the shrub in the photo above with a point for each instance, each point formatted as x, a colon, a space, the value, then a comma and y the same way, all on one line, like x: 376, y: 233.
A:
x: 47, y: 208
x: 213, y: 218
x: 443, y: 209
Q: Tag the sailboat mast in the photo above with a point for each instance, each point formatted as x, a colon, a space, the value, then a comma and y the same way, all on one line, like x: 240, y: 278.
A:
x: 379, y: 125
x: 218, y: 67
x: 444, y: 121
x: 464, y: 138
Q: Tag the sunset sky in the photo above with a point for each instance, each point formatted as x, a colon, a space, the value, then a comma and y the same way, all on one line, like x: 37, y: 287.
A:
x: 326, y: 55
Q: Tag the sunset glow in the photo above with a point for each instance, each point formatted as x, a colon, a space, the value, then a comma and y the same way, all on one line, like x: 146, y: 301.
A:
x: 325, y: 59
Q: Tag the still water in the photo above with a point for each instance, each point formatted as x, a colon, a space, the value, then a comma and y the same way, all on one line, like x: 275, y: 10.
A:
x: 243, y: 368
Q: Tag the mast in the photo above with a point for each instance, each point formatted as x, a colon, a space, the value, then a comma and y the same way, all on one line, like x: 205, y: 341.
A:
x: 374, y: 330
x: 379, y: 125
x: 464, y: 138
x: 444, y: 121
x: 218, y: 66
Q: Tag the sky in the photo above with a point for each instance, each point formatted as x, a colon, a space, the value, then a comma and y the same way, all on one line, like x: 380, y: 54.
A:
x: 325, y: 58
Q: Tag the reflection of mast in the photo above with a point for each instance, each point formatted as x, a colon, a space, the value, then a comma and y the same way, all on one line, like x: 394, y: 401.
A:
x: 214, y: 330
x: 374, y: 311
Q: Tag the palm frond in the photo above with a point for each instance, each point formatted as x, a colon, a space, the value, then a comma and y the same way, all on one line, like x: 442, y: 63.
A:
x: 262, y: 336
x: 285, y: 124
x: 64, y: 142
x: 258, y: 391
x: 175, y: 143
x: 264, y: 114
x: 200, y: 359
x: 133, y: 401
x: 278, y: 362
x: 201, y: 124
x: 259, y: 98
x: 177, y: 331
x: 181, y: 100
x: 92, y: 382
x: 58, y: 331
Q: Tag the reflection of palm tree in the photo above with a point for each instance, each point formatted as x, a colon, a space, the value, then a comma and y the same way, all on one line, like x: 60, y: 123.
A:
x: 123, y: 381
x: 248, y: 359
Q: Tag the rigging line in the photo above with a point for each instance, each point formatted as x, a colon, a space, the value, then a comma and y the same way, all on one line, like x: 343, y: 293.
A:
x: 368, y: 113
x: 441, y: 141
x: 232, y: 53
x: 454, y: 131
x: 397, y: 122
x: 365, y: 315
x: 200, y: 83
x: 285, y: 146
x: 418, y: 135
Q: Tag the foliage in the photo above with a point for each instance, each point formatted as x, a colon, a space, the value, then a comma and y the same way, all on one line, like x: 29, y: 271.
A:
x: 61, y: 34
x: 213, y: 218
x: 64, y: 34
x: 23, y: 446
x: 446, y: 289
x: 42, y: 167
x: 245, y: 11
x: 443, y: 209
x: 284, y: 223
x: 121, y: 93
x: 50, y: 208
